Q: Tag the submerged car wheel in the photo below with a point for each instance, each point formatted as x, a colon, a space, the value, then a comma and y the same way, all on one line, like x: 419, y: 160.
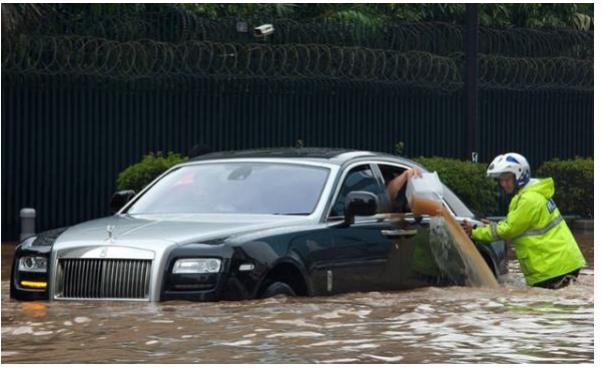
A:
x: 277, y: 288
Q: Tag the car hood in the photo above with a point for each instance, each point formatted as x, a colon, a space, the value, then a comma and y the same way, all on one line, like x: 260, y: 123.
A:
x: 152, y: 231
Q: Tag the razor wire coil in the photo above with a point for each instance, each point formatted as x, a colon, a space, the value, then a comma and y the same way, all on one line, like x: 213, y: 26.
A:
x: 131, y: 60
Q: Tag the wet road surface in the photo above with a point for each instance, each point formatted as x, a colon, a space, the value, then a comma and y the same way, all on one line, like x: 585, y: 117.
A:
x: 512, y: 324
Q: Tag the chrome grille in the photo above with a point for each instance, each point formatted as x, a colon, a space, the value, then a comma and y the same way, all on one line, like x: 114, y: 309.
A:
x: 103, y: 279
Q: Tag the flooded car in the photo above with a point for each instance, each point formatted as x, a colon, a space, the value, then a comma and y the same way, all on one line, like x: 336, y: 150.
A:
x: 243, y: 225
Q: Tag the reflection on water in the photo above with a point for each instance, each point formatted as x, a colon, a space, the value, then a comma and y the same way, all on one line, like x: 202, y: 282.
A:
x: 512, y: 324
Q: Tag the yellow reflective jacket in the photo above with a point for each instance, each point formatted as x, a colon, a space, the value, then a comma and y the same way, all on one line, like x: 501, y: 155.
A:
x: 544, y: 244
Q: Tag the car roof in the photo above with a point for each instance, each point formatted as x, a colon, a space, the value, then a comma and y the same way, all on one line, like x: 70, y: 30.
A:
x: 338, y: 156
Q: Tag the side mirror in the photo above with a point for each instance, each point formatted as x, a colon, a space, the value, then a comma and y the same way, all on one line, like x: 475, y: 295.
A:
x: 120, y: 198
x: 359, y: 203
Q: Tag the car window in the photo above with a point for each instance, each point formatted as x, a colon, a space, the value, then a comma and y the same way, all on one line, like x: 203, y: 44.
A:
x: 249, y: 188
x: 390, y: 172
x: 397, y: 204
x: 360, y: 178
x: 455, y: 204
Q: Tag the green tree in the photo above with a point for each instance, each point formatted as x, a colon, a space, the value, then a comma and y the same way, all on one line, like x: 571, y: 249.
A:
x: 19, y: 17
x: 138, y: 175
x: 574, y: 184
x: 576, y: 16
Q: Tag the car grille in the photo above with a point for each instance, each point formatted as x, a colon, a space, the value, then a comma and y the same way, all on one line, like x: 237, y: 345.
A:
x: 103, y: 279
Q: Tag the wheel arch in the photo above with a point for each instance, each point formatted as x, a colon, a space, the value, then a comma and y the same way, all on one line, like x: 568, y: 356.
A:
x: 290, y: 271
x: 489, y: 259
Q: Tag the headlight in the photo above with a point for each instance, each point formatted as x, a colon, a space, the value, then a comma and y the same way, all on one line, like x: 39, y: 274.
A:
x: 36, y: 264
x: 197, y: 266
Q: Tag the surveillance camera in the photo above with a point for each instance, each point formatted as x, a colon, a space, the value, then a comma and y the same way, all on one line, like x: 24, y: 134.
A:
x: 263, y: 30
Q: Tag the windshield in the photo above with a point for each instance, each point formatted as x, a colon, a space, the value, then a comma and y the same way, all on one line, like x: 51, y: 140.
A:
x: 252, y: 188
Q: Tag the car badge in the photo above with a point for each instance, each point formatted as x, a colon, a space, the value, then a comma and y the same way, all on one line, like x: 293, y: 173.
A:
x: 110, y: 229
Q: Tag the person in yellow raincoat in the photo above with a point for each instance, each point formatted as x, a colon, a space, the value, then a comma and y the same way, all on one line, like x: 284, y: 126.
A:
x: 548, y: 254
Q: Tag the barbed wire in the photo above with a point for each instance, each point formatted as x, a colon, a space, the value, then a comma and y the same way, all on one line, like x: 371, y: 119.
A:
x: 131, y: 60
x: 501, y: 72
x: 438, y: 38
x: 151, y: 59
x: 180, y: 25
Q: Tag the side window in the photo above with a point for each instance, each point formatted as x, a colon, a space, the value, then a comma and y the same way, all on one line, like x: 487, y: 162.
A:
x: 360, y: 178
x: 456, y: 205
x: 397, y: 202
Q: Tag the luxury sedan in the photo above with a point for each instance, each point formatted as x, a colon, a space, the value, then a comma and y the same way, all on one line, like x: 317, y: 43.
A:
x: 249, y: 224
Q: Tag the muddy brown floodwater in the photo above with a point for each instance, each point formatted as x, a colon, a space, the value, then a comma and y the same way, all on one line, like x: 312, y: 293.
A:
x: 510, y: 324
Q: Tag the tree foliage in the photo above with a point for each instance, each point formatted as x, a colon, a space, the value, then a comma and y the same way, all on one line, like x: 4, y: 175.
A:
x: 18, y: 17
x: 138, y: 175
x: 576, y: 16
x: 574, y: 184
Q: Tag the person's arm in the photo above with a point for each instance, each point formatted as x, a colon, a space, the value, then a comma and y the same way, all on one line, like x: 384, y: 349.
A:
x: 517, y: 222
x: 397, y: 183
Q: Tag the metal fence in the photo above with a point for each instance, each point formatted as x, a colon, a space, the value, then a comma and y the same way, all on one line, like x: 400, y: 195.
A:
x: 82, y: 100
x: 65, y: 141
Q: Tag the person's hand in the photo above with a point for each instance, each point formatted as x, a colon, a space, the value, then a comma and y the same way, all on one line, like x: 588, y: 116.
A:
x: 394, y: 186
x: 467, y: 227
x: 412, y: 172
x: 416, y: 172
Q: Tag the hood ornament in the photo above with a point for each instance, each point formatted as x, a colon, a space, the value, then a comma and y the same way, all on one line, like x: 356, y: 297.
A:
x: 110, y: 229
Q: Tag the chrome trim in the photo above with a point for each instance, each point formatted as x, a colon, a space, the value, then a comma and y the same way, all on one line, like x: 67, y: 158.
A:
x: 103, y: 276
x: 246, y: 267
x: 399, y: 232
x: 106, y: 252
x: 87, y: 279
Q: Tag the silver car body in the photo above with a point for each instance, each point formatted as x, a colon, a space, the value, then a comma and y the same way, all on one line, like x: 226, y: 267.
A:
x: 153, y: 237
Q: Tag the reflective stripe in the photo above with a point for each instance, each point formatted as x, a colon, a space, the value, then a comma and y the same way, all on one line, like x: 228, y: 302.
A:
x: 493, y: 226
x: 540, y: 231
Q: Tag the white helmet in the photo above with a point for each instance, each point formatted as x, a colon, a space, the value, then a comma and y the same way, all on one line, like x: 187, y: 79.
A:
x: 510, y: 163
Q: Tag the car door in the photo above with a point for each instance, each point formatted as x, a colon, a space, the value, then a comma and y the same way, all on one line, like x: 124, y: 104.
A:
x: 416, y: 262
x: 422, y: 261
x: 361, y: 257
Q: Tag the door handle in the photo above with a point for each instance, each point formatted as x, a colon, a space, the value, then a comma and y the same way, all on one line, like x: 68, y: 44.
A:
x: 397, y: 233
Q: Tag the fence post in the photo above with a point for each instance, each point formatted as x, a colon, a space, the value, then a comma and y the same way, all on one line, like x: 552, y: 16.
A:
x: 471, y: 41
x: 28, y: 223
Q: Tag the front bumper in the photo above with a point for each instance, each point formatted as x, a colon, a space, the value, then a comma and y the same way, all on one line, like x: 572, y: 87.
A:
x: 228, y: 284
